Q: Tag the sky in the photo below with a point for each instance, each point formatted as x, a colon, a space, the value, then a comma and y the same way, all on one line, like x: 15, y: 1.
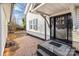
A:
x: 18, y: 12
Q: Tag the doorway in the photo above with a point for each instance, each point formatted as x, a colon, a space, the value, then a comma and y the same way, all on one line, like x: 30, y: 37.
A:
x: 61, y: 28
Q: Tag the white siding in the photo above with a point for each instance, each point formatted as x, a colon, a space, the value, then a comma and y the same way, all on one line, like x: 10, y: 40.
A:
x: 0, y: 30
x: 76, y: 32
x: 77, y: 17
x: 4, y: 17
x: 3, y: 30
x: 41, y: 26
x: 76, y: 25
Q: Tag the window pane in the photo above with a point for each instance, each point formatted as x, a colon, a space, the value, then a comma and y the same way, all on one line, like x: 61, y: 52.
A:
x: 36, y: 24
x: 30, y: 24
x: 61, y: 30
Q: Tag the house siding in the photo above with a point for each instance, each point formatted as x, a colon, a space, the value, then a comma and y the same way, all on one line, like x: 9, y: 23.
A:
x: 76, y: 29
x: 3, y: 30
x: 4, y: 18
x: 0, y: 30
x: 41, y: 26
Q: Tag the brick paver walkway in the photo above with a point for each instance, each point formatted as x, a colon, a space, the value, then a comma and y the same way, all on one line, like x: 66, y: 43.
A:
x: 28, y: 45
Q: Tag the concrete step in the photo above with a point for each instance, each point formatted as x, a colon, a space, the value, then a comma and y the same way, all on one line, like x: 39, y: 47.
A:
x: 54, y: 49
x: 49, y: 52
x: 41, y: 52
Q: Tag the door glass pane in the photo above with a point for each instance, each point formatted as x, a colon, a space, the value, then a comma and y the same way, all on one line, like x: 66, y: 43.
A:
x: 70, y: 26
x: 61, y: 28
x: 52, y: 28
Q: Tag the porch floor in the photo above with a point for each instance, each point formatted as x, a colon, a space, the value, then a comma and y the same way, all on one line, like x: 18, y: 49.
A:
x: 27, y: 44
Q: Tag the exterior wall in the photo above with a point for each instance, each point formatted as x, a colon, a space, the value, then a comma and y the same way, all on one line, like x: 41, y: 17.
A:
x: 0, y: 30
x: 41, y: 26
x: 4, y: 17
x: 76, y: 28
x: 75, y: 17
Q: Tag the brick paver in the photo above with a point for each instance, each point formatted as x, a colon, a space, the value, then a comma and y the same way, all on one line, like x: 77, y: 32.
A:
x: 28, y: 45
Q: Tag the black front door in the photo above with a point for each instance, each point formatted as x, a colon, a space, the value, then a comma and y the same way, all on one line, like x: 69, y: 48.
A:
x: 61, y: 27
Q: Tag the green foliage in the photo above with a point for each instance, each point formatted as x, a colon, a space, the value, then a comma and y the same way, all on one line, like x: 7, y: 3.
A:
x: 24, y: 23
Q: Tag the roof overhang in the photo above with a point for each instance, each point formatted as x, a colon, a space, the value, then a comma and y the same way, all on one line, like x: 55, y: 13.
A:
x: 52, y: 8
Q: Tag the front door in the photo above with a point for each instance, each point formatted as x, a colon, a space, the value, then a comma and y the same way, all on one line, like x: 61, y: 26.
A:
x: 62, y: 27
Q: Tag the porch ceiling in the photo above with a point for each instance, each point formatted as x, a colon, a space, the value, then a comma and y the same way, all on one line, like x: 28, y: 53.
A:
x: 52, y: 8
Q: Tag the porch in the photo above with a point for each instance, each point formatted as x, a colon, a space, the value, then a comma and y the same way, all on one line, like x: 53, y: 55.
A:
x: 54, y: 11
x: 30, y: 46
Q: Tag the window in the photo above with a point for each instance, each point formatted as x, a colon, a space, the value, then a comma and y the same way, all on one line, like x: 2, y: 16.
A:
x: 33, y: 24
x: 60, y: 22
